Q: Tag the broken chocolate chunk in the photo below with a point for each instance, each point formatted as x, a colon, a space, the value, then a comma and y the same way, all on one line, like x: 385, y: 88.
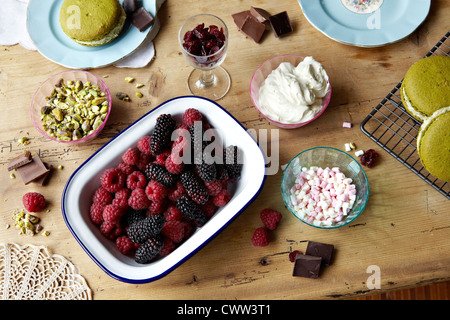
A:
x: 323, y: 250
x: 281, y: 24
x: 253, y: 28
x: 33, y: 170
x: 260, y: 14
x: 19, y: 161
x: 240, y: 17
x: 141, y: 19
x: 307, y: 266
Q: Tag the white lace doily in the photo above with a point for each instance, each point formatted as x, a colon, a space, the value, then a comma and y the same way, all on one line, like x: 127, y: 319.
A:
x: 32, y: 273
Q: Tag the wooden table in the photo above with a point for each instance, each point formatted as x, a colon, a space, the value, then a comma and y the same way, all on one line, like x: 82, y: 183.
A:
x: 404, y: 230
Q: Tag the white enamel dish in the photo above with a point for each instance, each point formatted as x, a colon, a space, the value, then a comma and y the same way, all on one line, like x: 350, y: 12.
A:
x: 78, y: 192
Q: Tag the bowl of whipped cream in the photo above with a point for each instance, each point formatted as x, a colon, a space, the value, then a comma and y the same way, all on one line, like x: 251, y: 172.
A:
x: 290, y: 90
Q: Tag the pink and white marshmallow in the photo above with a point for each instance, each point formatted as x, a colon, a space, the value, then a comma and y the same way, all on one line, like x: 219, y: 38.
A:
x: 322, y: 197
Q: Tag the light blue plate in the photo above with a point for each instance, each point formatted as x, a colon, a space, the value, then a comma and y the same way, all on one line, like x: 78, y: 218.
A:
x: 393, y: 21
x: 45, y: 31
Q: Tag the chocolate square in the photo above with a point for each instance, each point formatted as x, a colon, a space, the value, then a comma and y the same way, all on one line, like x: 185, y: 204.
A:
x: 33, y: 170
x: 240, y: 17
x: 253, y: 28
x: 281, y: 24
x: 41, y: 181
x: 260, y: 14
x: 19, y: 161
x: 323, y: 250
x: 141, y: 19
x: 129, y: 6
x: 307, y: 266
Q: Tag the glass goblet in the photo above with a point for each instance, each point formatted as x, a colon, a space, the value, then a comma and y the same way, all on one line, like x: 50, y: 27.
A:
x: 204, y: 41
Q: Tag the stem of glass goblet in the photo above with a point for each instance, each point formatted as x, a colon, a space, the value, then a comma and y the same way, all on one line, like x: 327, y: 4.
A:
x: 207, y: 78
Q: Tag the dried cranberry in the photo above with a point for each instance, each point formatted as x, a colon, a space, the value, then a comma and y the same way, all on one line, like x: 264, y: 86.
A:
x: 369, y: 158
x: 203, y: 41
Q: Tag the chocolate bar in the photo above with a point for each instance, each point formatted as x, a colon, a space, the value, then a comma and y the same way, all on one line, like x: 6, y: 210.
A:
x: 141, y: 19
x: 260, y: 14
x: 33, y: 170
x: 239, y: 18
x: 281, y: 24
x: 323, y: 250
x: 19, y: 161
x: 129, y: 6
x: 307, y: 266
x: 253, y: 28
x: 43, y: 179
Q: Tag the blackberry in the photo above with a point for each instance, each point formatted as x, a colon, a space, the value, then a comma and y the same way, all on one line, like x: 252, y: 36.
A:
x: 161, y: 135
x: 157, y: 172
x: 190, y: 211
x: 145, y: 228
x: 233, y: 161
x: 134, y: 216
x: 148, y: 250
x: 194, y: 187
x: 207, y: 172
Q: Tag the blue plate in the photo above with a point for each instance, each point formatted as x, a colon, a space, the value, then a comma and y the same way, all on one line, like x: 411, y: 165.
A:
x: 45, y: 31
x: 393, y: 21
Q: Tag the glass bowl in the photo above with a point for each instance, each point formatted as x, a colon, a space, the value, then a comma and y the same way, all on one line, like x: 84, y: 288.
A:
x: 326, y: 157
x: 45, y: 90
x: 261, y: 74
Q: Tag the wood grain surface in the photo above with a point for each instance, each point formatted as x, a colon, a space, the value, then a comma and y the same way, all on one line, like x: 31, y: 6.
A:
x: 404, y: 229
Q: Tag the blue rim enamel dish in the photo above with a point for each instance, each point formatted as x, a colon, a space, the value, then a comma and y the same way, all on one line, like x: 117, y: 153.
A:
x: 50, y: 40
x: 393, y: 21
x: 78, y: 192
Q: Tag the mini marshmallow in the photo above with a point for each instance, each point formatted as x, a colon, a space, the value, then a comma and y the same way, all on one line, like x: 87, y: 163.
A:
x: 359, y: 153
x: 346, y: 124
x: 347, y: 147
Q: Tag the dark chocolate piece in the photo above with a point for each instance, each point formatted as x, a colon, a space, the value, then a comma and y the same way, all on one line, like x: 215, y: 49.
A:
x: 323, y: 250
x: 307, y: 266
x: 129, y: 6
x: 280, y: 23
x: 253, y: 28
x: 240, y: 17
x: 260, y: 14
x: 19, y: 161
x: 33, y: 170
x: 141, y: 19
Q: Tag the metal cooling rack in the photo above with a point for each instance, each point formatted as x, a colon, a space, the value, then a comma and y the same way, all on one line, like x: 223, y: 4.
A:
x: 391, y: 127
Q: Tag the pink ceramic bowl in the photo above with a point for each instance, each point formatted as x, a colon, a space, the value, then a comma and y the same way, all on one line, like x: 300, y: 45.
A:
x: 260, y: 75
x: 45, y: 89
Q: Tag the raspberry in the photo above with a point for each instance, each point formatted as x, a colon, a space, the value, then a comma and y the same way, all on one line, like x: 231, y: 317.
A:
x: 191, y: 115
x: 106, y: 227
x: 143, y: 145
x: 112, y: 213
x: 136, y: 180
x: 126, y: 168
x: 96, y: 213
x: 113, y: 179
x: 176, y: 191
x: 143, y: 161
x: 34, y: 202
x: 270, y: 218
x: 167, y: 248
x: 293, y: 254
x: 213, y: 188
x: 174, y: 230
x: 173, y: 164
x: 156, y: 207
x: 172, y: 213
x: 102, y: 196
x: 138, y: 199
x: 369, y: 158
x: 260, y: 237
x: 161, y: 158
x: 121, y: 198
x: 209, y: 208
x: 131, y: 156
x: 125, y: 245
x: 155, y: 191
x: 222, y: 198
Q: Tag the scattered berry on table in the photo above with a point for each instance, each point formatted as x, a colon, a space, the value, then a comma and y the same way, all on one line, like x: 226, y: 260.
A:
x: 260, y: 237
x: 293, y: 254
x: 369, y: 158
x: 270, y: 218
x: 34, y: 202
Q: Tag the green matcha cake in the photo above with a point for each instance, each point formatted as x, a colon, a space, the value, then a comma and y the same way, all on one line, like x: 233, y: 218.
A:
x: 92, y: 22
x: 426, y: 87
x: 433, y: 144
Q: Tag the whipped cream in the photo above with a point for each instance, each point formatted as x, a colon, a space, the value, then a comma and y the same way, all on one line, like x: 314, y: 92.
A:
x: 293, y: 94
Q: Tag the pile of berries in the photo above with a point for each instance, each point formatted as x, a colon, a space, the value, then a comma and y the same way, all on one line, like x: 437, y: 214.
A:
x: 153, y: 200
x: 203, y: 41
x: 270, y: 219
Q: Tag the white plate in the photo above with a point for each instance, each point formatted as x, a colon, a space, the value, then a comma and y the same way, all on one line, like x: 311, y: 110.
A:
x: 393, y: 21
x: 50, y: 40
x: 82, y: 184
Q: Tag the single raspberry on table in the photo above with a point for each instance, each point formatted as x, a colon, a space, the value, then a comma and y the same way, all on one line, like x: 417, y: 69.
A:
x: 113, y: 179
x: 131, y: 156
x: 125, y: 245
x: 191, y: 115
x: 369, y: 158
x: 34, y: 202
x: 102, y: 196
x: 174, y: 230
x: 293, y: 254
x: 136, y: 180
x: 270, y: 218
x: 138, y: 199
x: 260, y: 237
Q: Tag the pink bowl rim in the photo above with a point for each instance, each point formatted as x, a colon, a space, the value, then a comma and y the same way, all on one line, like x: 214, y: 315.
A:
x: 82, y: 140
x: 281, y: 124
